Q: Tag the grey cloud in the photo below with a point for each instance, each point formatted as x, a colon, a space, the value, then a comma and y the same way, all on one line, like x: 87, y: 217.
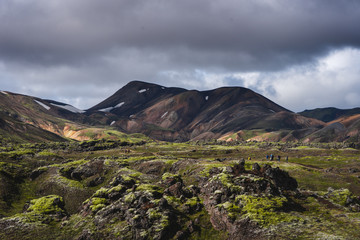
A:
x: 82, y: 51
x: 223, y: 32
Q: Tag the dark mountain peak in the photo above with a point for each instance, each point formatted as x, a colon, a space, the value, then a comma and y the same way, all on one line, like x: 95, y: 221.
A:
x: 134, y: 97
x: 243, y: 97
x: 330, y: 113
x: 138, y: 85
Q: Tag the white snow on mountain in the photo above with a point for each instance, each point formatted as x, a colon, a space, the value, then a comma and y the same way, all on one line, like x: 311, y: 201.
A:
x: 142, y: 90
x: 207, y: 98
x: 69, y: 108
x: 119, y: 105
x: 106, y: 109
x: 43, y: 105
x: 112, y: 123
x: 164, y: 115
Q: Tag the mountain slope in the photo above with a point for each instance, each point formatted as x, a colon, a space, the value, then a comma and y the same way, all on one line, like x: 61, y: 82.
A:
x: 173, y: 114
x: 134, y: 97
x: 26, y: 118
x: 179, y: 114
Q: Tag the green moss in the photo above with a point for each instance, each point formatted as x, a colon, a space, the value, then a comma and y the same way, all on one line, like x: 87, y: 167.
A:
x: 18, y: 153
x: 208, y: 166
x: 46, y: 205
x: 43, y: 169
x: 108, y: 162
x: 139, y: 158
x: 167, y: 175
x: 12, y: 169
x: 97, y: 203
x: 129, y: 198
x: 70, y: 182
x: 339, y: 196
x: 104, y: 192
x: 46, y: 154
x: 129, y: 174
x: 162, y: 224
x: 117, y: 188
x: 149, y: 187
x: 154, y: 214
x: 264, y: 210
x: 71, y: 163
x: 101, y: 192
x: 193, y: 202
x: 174, y: 201
x: 227, y: 181
x: 232, y: 209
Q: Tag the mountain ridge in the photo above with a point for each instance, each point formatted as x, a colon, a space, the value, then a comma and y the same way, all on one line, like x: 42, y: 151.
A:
x: 178, y: 114
x: 183, y: 115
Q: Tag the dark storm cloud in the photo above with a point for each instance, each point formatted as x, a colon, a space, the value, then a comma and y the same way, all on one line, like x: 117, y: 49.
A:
x: 230, y: 34
x: 85, y: 50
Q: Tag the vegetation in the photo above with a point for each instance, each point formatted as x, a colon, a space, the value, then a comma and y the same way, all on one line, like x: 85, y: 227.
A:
x: 146, y: 189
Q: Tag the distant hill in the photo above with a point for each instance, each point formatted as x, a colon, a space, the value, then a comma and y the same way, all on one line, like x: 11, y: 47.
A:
x: 31, y: 119
x: 329, y: 114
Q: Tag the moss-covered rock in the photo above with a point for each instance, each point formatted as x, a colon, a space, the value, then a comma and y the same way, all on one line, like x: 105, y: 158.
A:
x: 342, y: 197
x: 97, y: 203
x: 266, y: 210
x: 51, y: 204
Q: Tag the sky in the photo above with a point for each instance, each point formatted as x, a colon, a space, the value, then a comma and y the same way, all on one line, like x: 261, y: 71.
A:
x: 301, y: 54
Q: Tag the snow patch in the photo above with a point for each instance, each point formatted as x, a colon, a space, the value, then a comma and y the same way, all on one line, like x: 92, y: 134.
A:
x: 207, y: 98
x: 119, y: 105
x: 106, y: 109
x: 164, y: 115
x: 43, y: 105
x: 69, y: 108
x: 271, y: 110
x: 3, y: 92
x: 142, y: 90
x: 162, y: 88
x: 112, y: 123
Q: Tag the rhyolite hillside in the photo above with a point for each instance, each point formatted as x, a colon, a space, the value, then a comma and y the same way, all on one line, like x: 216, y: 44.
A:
x: 31, y: 119
x: 174, y: 114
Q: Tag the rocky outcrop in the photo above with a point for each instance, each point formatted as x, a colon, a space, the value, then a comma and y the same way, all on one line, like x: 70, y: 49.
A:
x: 230, y: 194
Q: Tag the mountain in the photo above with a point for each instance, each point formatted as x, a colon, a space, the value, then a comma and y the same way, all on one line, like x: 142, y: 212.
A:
x: 178, y: 114
x: 174, y: 114
x: 329, y: 114
x: 341, y: 124
x: 135, y: 97
x: 31, y: 119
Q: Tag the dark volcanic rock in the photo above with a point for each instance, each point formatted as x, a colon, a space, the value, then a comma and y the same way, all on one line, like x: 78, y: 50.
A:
x: 87, y: 170
x: 281, y: 179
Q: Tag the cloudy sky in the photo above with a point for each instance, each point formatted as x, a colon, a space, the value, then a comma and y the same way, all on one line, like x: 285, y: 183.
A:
x: 301, y: 54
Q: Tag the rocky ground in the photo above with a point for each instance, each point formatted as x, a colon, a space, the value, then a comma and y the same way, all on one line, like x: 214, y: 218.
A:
x: 200, y: 190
